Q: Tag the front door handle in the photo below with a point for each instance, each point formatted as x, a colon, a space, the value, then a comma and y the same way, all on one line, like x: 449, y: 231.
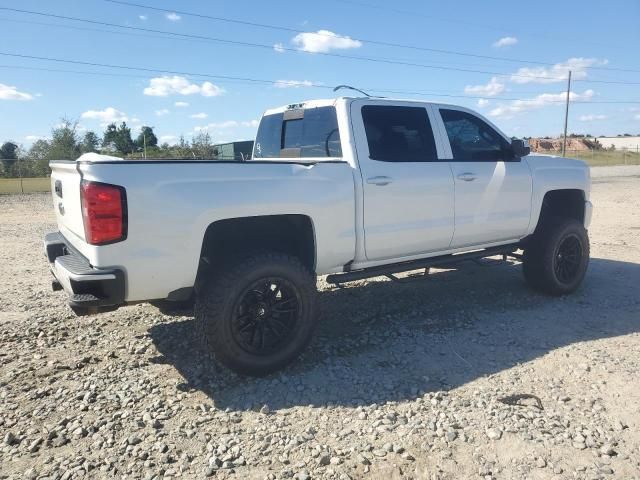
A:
x: 380, y: 181
x: 467, y: 177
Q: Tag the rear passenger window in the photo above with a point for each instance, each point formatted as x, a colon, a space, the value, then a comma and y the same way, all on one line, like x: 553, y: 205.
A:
x: 399, y: 134
x: 306, y: 133
x: 473, y: 139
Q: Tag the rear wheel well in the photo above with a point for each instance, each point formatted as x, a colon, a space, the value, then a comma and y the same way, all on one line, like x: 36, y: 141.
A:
x: 567, y: 203
x: 230, y: 239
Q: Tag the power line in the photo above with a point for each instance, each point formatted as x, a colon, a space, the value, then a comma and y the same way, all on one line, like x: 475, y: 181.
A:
x: 413, y: 13
x: 86, y: 29
x: 129, y: 75
x: 249, y: 79
x: 361, y: 39
x: 134, y: 34
x: 435, y: 93
x: 327, y: 54
x: 128, y: 67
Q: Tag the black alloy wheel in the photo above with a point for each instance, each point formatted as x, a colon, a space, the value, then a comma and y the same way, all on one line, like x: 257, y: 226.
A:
x: 568, y: 259
x: 266, y: 316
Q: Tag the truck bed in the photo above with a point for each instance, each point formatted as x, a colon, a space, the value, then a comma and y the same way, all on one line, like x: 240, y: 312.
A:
x: 171, y: 203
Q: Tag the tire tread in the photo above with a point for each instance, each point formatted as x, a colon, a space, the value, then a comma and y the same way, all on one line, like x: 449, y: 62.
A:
x: 210, y: 305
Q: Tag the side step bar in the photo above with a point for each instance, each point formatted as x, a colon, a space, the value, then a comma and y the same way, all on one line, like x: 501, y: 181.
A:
x: 393, y: 268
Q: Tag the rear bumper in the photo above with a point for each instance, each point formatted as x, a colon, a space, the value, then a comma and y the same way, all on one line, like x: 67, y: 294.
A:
x: 91, y: 290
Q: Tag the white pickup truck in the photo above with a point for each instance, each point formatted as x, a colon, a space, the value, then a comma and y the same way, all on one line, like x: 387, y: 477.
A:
x: 348, y: 187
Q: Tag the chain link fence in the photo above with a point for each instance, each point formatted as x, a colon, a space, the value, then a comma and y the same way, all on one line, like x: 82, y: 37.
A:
x: 24, y: 175
x: 602, y: 156
x: 30, y: 175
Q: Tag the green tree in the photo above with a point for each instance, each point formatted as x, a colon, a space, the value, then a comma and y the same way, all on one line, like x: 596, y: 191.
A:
x: 202, y: 146
x: 38, y: 156
x: 146, y: 137
x: 8, y: 155
x: 90, y: 142
x: 39, y: 150
x: 182, y: 149
x: 109, y: 136
x: 118, y: 138
x: 64, y: 144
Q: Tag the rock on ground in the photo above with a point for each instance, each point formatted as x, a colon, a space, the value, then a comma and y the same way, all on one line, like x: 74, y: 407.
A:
x: 401, y: 381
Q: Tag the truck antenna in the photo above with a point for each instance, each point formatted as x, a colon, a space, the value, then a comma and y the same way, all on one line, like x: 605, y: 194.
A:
x: 351, y: 88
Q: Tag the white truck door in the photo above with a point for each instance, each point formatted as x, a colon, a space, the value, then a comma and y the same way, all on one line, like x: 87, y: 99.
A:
x: 408, y: 192
x: 493, y: 189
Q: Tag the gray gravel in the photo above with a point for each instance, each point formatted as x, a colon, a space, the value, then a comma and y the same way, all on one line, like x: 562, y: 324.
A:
x: 464, y: 374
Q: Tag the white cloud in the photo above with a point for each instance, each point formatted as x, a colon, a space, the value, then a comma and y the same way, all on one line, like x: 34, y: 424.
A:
x: 199, y: 115
x: 33, y: 138
x: 136, y: 120
x: 505, y: 42
x: 177, y: 85
x: 208, y: 89
x: 108, y: 115
x: 170, y: 139
x: 483, y: 102
x: 8, y: 92
x: 181, y: 104
x: 636, y: 116
x: 558, y: 72
x: 491, y: 89
x: 278, y: 47
x: 591, y: 117
x: 162, y: 112
x: 292, y: 83
x: 173, y: 16
x: 143, y: 17
x: 227, y: 124
x: 539, y: 101
x: 323, y: 41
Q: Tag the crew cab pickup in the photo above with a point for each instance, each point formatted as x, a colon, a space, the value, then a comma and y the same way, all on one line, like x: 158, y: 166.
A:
x: 348, y: 187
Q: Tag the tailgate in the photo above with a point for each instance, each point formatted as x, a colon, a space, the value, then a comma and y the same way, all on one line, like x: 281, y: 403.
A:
x: 65, y: 191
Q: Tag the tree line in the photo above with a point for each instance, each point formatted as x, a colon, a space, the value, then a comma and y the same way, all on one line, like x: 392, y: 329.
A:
x: 67, y: 143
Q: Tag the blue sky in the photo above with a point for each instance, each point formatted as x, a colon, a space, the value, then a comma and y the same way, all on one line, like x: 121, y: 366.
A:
x: 521, y: 98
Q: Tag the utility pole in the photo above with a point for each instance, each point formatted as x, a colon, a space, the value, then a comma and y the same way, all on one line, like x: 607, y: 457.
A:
x: 566, y: 116
x: 144, y: 139
x: 20, y: 174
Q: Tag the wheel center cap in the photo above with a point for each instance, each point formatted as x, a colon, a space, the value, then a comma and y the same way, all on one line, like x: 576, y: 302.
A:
x: 261, y: 312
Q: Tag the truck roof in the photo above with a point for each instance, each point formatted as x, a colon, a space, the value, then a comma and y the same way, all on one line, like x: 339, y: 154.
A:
x: 324, y: 102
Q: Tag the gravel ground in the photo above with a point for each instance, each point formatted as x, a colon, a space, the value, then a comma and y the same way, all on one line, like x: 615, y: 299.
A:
x: 464, y: 374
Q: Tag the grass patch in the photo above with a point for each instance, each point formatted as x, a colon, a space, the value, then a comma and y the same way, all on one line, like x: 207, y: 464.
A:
x: 28, y: 185
x: 600, y: 158
x: 595, y: 158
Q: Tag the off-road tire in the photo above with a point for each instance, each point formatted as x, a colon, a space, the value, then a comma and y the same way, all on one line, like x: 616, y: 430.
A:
x: 217, y: 300
x: 543, y: 256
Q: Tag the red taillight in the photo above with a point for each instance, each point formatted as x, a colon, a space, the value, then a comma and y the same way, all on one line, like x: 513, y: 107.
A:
x: 103, y: 212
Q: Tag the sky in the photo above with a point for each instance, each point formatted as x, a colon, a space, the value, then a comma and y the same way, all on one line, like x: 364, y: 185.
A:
x: 178, y: 64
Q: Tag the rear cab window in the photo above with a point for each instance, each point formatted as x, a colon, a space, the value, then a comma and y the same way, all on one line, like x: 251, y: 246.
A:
x: 299, y: 133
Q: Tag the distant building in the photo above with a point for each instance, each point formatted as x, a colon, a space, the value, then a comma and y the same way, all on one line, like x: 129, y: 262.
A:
x: 620, y: 143
x: 233, y: 150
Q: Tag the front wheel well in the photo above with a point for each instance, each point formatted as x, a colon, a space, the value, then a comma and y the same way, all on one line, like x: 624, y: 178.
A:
x: 567, y: 203
x: 231, y: 239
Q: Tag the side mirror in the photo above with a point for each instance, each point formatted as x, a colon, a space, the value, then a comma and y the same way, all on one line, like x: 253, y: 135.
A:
x: 520, y: 148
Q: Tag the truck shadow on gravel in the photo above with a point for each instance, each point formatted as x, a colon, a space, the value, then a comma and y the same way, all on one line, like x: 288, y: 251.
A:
x: 379, y: 341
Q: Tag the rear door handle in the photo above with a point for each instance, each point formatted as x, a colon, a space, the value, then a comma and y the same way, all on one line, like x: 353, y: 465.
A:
x: 467, y: 177
x: 380, y: 181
